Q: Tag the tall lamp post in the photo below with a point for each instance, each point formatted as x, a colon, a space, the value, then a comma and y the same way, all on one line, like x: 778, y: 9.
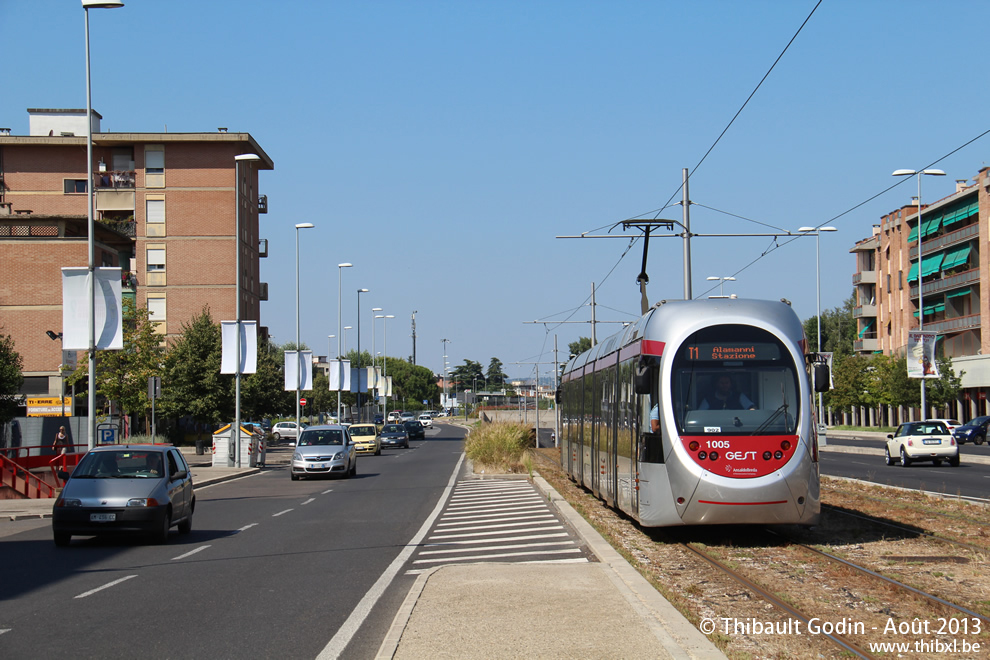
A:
x: 360, y: 410
x: 236, y: 431
x: 299, y: 376
x: 921, y: 274
x: 340, y: 334
x: 818, y: 297
x: 721, y: 282
x: 91, y: 227
x: 374, y: 355
x: 385, y: 357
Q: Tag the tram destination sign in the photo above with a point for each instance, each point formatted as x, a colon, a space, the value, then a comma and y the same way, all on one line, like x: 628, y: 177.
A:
x: 727, y: 351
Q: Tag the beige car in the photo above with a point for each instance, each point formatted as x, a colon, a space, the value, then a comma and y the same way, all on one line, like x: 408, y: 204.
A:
x: 365, y: 439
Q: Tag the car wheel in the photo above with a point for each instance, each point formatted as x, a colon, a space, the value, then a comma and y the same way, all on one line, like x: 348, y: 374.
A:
x: 354, y: 468
x: 954, y: 461
x: 276, y: 437
x: 161, y: 535
x: 294, y: 476
x: 937, y: 462
x: 186, y: 525
x: 886, y: 454
x: 62, y: 539
x: 905, y: 461
x: 406, y: 445
x: 980, y: 440
x: 378, y: 452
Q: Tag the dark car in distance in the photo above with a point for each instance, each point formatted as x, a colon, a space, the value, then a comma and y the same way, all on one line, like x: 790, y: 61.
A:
x: 394, y: 435
x: 975, y: 431
x: 415, y: 429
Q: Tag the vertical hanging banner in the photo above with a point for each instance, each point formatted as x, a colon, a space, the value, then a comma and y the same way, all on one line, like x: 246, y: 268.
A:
x: 921, y: 355
x: 359, y: 379
x: 298, y: 369
x: 108, y: 310
x: 340, y: 370
x: 249, y: 347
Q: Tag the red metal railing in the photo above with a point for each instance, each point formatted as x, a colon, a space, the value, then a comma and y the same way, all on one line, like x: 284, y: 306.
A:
x: 15, y: 470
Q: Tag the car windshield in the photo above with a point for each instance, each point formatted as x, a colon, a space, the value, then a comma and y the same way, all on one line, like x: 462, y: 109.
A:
x: 978, y: 421
x: 124, y: 464
x: 412, y: 424
x: 362, y: 430
x: 321, y: 437
x: 393, y: 428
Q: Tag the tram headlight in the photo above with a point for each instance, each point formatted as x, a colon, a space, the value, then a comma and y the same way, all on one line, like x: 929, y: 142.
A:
x: 702, y: 455
x: 778, y: 454
x: 767, y: 455
x: 785, y: 444
x: 713, y: 455
x: 693, y: 445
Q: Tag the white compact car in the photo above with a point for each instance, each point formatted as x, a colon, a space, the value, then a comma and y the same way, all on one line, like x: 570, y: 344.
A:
x: 426, y: 420
x: 922, y: 441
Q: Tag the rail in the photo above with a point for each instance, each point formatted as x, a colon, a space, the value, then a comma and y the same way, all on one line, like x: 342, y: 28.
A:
x: 22, y: 481
x: 18, y: 466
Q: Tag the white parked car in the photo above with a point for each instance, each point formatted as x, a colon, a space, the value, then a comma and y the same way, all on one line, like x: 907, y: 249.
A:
x: 426, y: 420
x: 286, y: 430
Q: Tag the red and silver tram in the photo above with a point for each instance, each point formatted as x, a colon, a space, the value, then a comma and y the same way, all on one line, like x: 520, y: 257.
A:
x: 734, y: 438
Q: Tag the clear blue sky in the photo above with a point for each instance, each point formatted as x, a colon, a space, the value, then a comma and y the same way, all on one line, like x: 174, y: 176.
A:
x: 441, y: 147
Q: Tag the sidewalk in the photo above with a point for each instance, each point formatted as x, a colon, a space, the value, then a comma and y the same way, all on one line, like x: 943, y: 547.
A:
x: 596, y: 610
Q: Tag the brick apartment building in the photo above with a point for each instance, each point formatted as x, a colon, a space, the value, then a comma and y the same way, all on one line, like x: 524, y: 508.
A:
x: 955, y: 270
x: 164, y: 211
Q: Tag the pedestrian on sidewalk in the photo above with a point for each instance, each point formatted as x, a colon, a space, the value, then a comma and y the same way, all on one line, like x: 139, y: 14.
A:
x: 61, y: 440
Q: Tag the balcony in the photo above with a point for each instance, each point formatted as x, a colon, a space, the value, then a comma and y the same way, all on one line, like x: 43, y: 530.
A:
x: 949, y: 326
x: 263, y: 293
x: 948, y: 239
x: 114, y: 179
x: 126, y: 227
x: 263, y: 248
x: 868, y: 311
x: 948, y: 283
x: 865, y: 277
x: 262, y: 203
x: 869, y: 345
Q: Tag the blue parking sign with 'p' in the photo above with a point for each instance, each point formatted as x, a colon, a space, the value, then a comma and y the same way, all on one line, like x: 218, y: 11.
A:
x: 107, y: 436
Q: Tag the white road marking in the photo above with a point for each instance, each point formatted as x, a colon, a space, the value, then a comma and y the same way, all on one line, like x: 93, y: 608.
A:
x: 106, y: 586
x: 347, y: 631
x: 500, y: 555
x: 246, y: 527
x: 328, y: 490
x: 312, y: 499
x: 4, y: 630
x: 276, y: 515
x: 191, y: 552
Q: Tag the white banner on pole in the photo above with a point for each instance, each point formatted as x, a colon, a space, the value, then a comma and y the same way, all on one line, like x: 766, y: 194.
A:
x: 298, y: 369
x: 108, y: 310
x: 249, y: 347
x: 359, y: 379
x: 921, y: 355
x: 340, y: 370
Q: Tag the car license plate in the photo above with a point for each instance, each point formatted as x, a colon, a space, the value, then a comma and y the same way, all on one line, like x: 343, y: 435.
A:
x: 932, y: 441
x: 102, y: 517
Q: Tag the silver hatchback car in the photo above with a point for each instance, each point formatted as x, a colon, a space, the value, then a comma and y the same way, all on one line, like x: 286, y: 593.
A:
x: 323, y: 451
x: 120, y: 489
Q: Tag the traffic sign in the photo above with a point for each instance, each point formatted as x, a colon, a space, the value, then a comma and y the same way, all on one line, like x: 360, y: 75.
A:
x: 302, y: 402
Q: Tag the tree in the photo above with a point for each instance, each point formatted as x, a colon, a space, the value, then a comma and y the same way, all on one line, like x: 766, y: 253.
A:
x: 122, y: 375
x: 495, y: 376
x: 191, y: 381
x: 838, y: 330
x: 263, y: 392
x: 945, y: 390
x: 466, y: 374
x: 580, y: 346
x: 411, y: 384
x: 11, y: 378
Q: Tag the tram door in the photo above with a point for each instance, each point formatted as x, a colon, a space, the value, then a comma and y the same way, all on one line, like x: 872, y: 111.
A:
x: 606, y: 436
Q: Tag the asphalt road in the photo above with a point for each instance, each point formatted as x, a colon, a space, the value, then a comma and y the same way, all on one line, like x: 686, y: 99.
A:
x: 970, y: 480
x: 273, y: 568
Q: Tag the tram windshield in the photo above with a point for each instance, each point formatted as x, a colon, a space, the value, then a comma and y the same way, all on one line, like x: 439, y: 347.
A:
x: 734, y: 380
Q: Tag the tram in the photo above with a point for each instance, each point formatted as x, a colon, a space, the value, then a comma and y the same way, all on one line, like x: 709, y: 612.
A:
x: 701, y: 412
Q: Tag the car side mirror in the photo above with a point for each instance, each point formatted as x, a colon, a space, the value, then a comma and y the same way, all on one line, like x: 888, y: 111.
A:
x: 181, y: 474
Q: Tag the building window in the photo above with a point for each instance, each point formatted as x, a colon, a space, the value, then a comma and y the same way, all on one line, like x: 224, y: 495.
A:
x: 156, y: 259
x: 74, y: 185
x: 154, y: 160
x: 156, y: 211
x: 156, y: 309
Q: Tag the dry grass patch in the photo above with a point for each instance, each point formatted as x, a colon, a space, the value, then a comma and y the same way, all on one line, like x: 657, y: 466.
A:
x: 500, y: 447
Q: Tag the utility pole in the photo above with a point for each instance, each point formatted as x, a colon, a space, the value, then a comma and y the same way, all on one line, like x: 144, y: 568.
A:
x: 414, y: 336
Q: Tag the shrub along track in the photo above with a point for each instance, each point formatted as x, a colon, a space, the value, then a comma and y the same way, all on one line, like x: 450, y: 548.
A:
x: 889, y: 532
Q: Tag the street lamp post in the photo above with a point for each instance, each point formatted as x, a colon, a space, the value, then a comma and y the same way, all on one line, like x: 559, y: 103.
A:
x: 91, y: 226
x: 340, y: 334
x: 301, y: 225
x: 374, y: 355
x: 818, y: 297
x: 360, y: 411
x: 921, y: 275
x: 721, y: 282
x: 385, y: 357
x: 235, y: 435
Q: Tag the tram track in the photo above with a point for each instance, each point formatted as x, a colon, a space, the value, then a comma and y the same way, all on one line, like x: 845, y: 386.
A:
x: 785, y: 575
